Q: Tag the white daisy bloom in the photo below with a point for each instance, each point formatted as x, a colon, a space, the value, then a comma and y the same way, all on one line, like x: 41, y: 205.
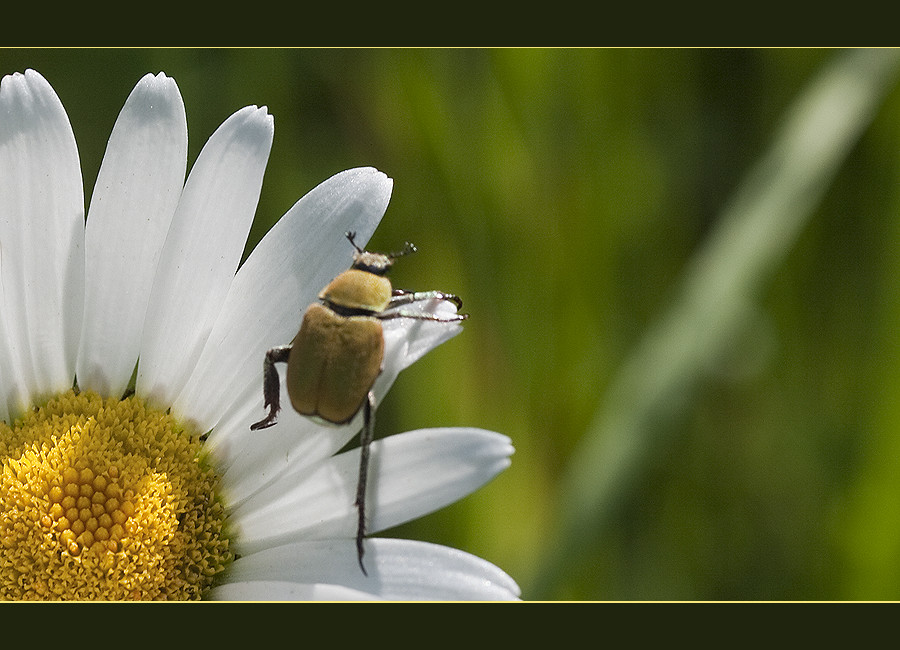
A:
x: 166, y: 492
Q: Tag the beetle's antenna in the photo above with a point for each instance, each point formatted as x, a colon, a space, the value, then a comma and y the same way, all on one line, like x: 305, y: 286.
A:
x: 351, y: 235
x: 408, y: 249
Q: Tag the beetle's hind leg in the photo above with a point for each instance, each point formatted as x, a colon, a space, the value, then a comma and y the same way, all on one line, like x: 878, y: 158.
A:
x: 272, y: 385
x: 365, y: 441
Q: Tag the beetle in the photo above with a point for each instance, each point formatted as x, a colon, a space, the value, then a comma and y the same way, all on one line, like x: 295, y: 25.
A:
x: 337, y: 355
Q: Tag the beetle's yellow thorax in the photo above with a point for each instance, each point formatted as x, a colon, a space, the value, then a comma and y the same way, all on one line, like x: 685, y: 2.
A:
x: 355, y: 289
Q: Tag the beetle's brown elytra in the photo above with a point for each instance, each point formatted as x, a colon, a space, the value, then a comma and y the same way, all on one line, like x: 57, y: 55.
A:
x: 334, y: 361
x: 338, y: 353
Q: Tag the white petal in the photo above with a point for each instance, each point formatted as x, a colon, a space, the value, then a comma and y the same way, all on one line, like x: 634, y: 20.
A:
x: 202, y: 251
x: 250, y: 462
x: 411, y: 475
x: 408, y: 339
x: 270, y: 590
x: 42, y: 239
x: 252, y: 459
x: 7, y: 383
x: 398, y: 569
x: 302, y: 252
x: 137, y: 190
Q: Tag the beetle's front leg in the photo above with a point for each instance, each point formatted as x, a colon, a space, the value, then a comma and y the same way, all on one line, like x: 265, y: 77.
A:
x: 272, y: 385
x: 403, y: 297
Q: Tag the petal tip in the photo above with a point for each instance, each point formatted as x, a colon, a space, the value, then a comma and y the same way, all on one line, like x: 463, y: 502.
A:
x: 157, y: 85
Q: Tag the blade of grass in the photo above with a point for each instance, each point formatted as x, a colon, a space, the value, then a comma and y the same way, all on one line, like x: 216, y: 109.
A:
x: 717, y: 292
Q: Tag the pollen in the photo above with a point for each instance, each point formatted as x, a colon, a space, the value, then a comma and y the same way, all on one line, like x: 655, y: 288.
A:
x: 106, y: 499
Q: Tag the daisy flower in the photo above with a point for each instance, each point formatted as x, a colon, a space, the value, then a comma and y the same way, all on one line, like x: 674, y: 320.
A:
x: 131, y: 349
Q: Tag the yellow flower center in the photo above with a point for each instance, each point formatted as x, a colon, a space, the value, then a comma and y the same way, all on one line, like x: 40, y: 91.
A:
x: 106, y: 499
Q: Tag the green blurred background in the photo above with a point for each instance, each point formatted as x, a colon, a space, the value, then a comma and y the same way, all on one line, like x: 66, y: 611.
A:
x: 569, y: 196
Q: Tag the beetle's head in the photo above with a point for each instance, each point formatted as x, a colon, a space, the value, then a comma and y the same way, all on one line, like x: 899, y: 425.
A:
x: 377, y: 263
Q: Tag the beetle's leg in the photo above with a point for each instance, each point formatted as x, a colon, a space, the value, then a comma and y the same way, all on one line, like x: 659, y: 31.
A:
x: 416, y: 315
x: 365, y: 440
x: 403, y: 297
x: 271, y: 385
